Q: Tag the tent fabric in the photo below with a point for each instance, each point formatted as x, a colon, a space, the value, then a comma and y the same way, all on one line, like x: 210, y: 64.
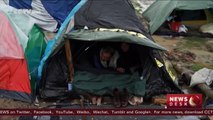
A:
x: 14, y: 75
x: 9, y: 43
x: 40, y: 16
x: 33, y: 53
x: 58, y: 10
x: 22, y: 96
x: 111, y: 36
x: 22, y: 62
x: 54, y: 77
x: 104, y: 14
x: 105, y: 83
x: 158, y: 12
x: 17, y: 35
x: 52, y: 45
x: 22, y: 28
x: 24, y: 40
x: 21, y: 4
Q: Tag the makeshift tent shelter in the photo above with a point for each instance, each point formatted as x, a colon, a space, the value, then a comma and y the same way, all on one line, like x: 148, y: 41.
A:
x: 107, y: 22
x: 22, y: 41
x: 160, y: 10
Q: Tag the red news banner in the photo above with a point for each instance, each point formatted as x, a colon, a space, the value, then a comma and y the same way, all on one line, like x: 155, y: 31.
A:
x: 177, y: 104
x: 27, y: 112
x: 184, y: 101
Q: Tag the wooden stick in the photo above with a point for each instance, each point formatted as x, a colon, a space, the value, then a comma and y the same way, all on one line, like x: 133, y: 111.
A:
x: 186, y: 74
x: 71, y: 69
x: 69, y: 61
x: 205, y: 89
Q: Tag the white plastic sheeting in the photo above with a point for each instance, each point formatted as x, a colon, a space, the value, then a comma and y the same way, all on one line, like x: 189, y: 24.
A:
x: 202, y: 76
x: 38, y: 14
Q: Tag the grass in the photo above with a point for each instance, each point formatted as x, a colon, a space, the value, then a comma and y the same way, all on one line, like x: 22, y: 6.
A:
x: 195, y: 43
x: 198, y: 66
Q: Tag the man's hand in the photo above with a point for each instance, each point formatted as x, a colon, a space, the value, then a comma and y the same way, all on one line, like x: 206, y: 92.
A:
x: 120, y: 70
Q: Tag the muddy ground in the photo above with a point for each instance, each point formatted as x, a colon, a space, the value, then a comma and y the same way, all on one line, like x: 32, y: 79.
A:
x: 193, y: 53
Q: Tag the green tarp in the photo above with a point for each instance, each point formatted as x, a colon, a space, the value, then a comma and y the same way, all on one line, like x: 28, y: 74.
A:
x: 113, y: 36
x: 105, y: 83
x: 158, y: 12
x: 34, y: 51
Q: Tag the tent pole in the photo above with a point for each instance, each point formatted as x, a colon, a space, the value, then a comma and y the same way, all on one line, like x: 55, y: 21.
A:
x: 69, y: 61
x: 71, y: 69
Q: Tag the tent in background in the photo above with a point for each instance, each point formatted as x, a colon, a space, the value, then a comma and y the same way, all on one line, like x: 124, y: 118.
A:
x: 196, y: 18
x: 160, y: 10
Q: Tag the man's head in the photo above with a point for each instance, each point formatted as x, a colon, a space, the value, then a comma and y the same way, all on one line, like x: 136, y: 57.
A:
x: 106, y: 53
x: 124, y: 47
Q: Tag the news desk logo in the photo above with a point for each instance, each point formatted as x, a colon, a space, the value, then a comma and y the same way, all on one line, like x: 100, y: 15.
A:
x: 184, y: 100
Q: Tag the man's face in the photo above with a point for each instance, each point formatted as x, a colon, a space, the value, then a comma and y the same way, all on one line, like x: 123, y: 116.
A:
x: 124, y: 47
x: 105, y: 56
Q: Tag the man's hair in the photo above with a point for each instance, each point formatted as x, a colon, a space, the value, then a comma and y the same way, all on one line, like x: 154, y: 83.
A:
x: 108, y: 49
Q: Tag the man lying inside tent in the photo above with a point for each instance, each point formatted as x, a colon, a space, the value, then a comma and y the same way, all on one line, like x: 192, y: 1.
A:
x: 114, y: 58
x: 103, y: 75
x: 123, y: 62
x: 106, y: 57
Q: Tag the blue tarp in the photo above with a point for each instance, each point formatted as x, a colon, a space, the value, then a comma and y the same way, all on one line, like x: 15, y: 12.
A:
x: 58, y: 9
x: 21, y: 4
